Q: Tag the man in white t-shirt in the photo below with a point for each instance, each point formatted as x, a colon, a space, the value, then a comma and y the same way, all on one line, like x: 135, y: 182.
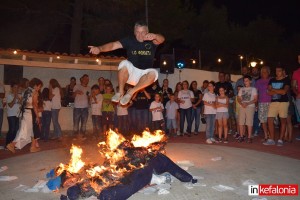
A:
x: 81, y: 94
x: 13, y: 100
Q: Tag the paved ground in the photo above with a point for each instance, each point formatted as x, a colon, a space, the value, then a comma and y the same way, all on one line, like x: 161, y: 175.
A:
x: 289, y: 149
x: 235, y: 167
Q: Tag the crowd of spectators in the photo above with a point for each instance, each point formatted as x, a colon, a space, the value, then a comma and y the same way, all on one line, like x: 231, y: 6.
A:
x: 256, y: 103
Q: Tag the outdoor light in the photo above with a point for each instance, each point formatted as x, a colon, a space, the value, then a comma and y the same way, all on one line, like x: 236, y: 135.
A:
x: 261, y: 62
x: 15, y: 52
x: 180, y: 64
x: 241, y: 57
x: 57, y: 57
x: 219, y: 60
x: 164, y: 62
x: 193, y: 61
x: 253, y: 64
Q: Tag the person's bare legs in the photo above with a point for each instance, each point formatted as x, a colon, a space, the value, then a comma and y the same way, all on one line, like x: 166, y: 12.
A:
x: 271, y: 127
x: 220, y: 129
x: 282, y: 128
x: 122, y: 78
x: 144, y: 81
x: 265, y: 128
x: 225, y: 125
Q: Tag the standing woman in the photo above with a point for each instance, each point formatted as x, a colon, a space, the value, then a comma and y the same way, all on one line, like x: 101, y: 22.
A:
x: 55, y: 96
x: 196, y: 106
x: 178, y: 87
x: 29, y: 130
x: 185, y: 97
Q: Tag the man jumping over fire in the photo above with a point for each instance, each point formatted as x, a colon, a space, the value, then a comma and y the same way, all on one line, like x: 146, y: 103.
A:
x: 136, y: 70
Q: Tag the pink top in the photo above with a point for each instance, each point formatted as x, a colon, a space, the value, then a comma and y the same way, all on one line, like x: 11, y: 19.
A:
x: 296, y: 76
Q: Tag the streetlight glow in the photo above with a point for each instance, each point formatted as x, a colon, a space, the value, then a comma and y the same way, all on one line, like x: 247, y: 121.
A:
x: 219, y: 60
x: 164, y: 62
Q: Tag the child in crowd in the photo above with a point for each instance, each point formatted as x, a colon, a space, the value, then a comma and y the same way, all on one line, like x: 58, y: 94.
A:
x: 237, y: 110
x: 157, y: 108
x: 96, y: 100
x: 46, y: 114
x: 247, y: 97
x: 172, y: 108
x: 108, y: 109
x: 222, y: 102
x: 13, y: 101
x: 123, y: 116
x: 209, y: 100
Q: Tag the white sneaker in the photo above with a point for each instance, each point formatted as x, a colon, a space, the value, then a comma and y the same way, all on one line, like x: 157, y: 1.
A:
x: 125, y: 99
x: 212, y: 139
x: 279, y: 143
x: 208, y: 141
x: 116, y: 98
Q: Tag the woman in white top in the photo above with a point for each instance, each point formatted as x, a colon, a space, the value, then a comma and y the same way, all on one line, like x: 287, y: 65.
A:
x: 55, y: 96
x: 209, y: 100
x: 185, y: 98
x: 30, y: 122
x: 222, y: 102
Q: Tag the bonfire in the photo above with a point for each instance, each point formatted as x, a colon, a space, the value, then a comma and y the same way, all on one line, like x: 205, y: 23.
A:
x: 121, y: 157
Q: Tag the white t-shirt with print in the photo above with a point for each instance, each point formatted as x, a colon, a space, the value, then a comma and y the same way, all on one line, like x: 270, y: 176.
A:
x: 247, y: 94
x: 56, y: 100
x: 96, y: 106
x: 82, y: 100
x: 15, y: 110
x: 157, y: 114
x: 122, y: 110
x: 209, y: 98
x: 186, y: 96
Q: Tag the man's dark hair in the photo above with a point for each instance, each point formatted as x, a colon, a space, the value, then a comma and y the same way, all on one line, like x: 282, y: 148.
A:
x: 281, y: 67
x: 35, y: 82
x: 205, y: 81
x: 13, y: 83
x: 95, y: 87
x: 140, y: 23
x: 248, y: 77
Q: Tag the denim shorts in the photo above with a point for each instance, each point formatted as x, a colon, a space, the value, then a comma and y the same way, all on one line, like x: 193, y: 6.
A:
x: 222, y: 115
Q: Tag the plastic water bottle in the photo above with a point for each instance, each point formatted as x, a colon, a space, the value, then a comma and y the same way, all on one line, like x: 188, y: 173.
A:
x: 168, y: 178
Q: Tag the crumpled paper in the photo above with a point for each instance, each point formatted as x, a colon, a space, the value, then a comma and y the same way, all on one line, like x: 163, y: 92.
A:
x: 8, y: 178
x: 249, y: 182
x: 3, y: 168
x: 217, y: 158
x: 222, y: 188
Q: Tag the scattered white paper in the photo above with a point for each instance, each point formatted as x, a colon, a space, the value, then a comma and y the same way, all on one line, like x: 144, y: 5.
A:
x: 163, y: 191
x: 185, y: 163
x: 3, y: 168
x: 32, y: 190
x: 8, y: 178
x: 188, y: 185
x: 45, y: 189
x: 222, y: 188
x: 165, y: 186
x: 40, y: 184
x: 216, y: 158
x: 21, y: 187
x: 249, y: 182
x: 157, y: 179
x: 91, y: 198
x: 148, y: 190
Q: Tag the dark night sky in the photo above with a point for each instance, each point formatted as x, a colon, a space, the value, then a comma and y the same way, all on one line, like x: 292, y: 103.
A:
x: 285, y: 13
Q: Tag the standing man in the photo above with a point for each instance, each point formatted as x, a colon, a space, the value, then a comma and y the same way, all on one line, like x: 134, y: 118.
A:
x: 296, y: 87
x: 81, y: 94
x: 136, y: 70
x: 278, y: 88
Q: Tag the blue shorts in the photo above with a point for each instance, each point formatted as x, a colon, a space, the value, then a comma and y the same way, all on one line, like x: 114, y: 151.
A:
x: 171, y: 124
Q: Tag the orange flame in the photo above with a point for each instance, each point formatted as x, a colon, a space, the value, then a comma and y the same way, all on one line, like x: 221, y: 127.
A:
x: 147, y: 138
x: 75, y: 163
